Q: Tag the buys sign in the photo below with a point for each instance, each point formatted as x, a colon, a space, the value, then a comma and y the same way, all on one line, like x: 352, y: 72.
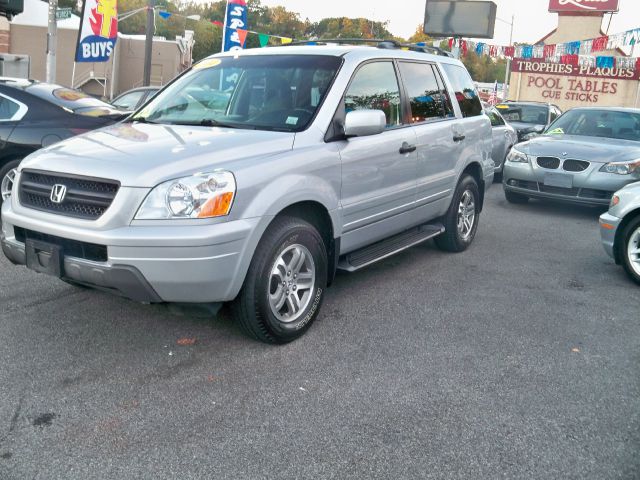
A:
x: 583, y: 5
x: 235, y: 18
x: 98, y: 31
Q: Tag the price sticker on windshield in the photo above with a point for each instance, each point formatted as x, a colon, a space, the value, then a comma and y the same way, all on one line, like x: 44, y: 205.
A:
x: 210, y: 63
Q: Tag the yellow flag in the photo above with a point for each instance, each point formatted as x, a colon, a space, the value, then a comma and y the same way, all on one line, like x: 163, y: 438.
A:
x: 286, y: 40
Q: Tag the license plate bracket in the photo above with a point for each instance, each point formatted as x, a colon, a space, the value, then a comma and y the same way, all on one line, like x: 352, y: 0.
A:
x: 43, y: 257
x: 561, y: 180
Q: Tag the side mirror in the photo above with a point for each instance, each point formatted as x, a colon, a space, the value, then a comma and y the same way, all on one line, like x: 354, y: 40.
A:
x: 362, y: 123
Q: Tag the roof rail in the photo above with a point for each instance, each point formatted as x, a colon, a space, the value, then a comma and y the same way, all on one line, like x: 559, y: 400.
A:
x: 380, y: 42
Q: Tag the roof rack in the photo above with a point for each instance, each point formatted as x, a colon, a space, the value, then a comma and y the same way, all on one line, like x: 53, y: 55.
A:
x: 380, y: 42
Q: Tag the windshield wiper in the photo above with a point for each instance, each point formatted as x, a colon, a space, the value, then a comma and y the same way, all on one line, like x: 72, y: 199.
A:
x: 143, y: 120
x: 208, y: 122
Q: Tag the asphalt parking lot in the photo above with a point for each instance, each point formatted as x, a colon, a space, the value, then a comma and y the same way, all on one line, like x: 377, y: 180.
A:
x: 516, y: 359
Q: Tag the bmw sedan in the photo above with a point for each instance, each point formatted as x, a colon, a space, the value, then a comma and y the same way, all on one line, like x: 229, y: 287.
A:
x: 35, y: 115
x: 583, y: 157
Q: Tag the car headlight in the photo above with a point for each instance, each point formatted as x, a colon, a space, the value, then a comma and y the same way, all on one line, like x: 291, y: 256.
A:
x: 621, y: 168
x: 517, y: 156
x: 203, y: 195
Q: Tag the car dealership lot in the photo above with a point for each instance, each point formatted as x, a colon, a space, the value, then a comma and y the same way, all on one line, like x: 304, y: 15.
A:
x: 516, y: 359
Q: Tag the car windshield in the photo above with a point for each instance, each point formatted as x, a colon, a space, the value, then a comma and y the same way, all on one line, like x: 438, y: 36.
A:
x: 598, y: 123
x: 534, y: 114
x: 266, y: 92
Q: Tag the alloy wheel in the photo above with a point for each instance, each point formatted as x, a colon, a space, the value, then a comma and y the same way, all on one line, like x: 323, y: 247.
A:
x: 466, y: 214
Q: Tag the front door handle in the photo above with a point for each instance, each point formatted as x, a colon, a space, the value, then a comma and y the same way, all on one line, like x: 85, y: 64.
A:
x: 406, y: 148
x: 458, y: 138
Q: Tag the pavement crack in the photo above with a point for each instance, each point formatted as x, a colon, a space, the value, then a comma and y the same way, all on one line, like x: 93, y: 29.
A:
x: 16, y: 416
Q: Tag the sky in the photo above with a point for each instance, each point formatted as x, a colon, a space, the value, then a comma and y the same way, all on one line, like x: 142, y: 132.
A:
x: 532, y: 20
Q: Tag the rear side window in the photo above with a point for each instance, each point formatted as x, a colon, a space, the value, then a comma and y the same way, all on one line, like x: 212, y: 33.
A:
x: 375, y: 87
x: 8, y: 109
x: 465, y: 90
x: 427, y: 99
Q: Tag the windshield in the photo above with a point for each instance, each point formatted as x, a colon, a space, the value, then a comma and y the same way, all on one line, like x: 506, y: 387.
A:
x: 598, y: 123
x: 534, y: 114
x: 266, y: 92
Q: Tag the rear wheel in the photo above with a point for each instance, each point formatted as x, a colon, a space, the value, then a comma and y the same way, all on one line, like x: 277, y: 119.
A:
x: 285, y: 284
x: 7, y: 176
x: 631, y: 249
x: 461, y: 220
x: 513, y: 197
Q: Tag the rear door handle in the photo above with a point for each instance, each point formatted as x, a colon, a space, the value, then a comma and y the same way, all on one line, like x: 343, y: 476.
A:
x: 458, y: 138
x: 406, y: 148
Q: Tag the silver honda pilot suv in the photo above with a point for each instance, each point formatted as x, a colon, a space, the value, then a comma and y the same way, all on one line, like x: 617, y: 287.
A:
x: 255, y: 175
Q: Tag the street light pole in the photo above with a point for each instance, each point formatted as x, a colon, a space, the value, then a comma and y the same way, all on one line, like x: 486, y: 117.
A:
x: 148, y: 44
x: 52, y: 31
x: 505, y: 89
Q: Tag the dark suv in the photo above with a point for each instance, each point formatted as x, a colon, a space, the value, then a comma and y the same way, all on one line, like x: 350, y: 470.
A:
x: 529, y: 118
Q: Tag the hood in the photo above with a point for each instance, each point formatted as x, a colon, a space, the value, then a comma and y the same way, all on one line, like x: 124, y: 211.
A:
x: 144, y: 155
x: 593, y: 149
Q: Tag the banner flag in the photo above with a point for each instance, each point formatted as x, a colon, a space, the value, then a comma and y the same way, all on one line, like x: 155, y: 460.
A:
x: 242, y: 35
x: 264, y: 39
x: 235, y: 18
x: 98, y: 31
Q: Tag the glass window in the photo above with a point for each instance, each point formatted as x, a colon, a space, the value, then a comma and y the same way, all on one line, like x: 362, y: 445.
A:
x: 426, y: 99
x: 375, y: 87
x: 465, y: 90
x: 8, y: 109
x: 525, y: 113
x: 266, y: 92
x: 129, y: 100
x: 496, y: 119
x: 598, y: 123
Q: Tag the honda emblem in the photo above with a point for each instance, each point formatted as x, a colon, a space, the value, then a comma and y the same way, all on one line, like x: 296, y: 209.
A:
x: 58, y: 193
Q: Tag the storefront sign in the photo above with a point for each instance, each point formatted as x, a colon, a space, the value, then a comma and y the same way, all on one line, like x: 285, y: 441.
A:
x: 98, y: 31
x: 541, y: 67
x: 583, y: 5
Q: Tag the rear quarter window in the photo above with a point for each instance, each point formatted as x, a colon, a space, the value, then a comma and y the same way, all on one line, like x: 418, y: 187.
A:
x: 464, y: 90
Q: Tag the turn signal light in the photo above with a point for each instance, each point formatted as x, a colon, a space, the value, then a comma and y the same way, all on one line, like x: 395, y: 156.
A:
x: 217, y: 206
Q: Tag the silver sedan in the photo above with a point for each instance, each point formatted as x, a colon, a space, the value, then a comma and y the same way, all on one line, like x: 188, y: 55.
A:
x: 620, y: 230
x: 504, y: 137
x: 583, y: 157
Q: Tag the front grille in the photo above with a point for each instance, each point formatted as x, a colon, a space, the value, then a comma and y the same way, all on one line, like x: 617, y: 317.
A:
x: 575, y: 165
x: 572, y: 192
x: 550, y: 163
x: 86, y: 198
x: 70, y: 248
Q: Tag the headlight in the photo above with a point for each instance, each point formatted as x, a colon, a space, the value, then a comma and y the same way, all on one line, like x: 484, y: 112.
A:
x: 621, y: 168
x: 203, y: 195
x: 517, y: 156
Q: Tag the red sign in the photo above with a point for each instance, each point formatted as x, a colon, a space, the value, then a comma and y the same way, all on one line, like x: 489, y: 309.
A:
x: 583, y: 5
x: 539, y: 66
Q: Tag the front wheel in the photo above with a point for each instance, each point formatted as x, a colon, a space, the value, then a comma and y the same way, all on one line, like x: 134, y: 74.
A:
x: 7, y: 176
x: 631, y: 249
x: 285, y: 284
x: 461, y: 220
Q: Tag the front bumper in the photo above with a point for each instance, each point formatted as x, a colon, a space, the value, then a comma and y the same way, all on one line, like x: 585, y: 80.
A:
x: 590, y: 187
x: 608, y: 229
x: 155, y: 263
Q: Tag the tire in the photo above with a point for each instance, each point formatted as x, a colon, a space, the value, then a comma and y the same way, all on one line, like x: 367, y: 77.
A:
x: 465, y: 208
x: 265, y: 309
x: 513, y: 197
x: 630, y: 249
x: 497, y: 177
x: 6, y: 178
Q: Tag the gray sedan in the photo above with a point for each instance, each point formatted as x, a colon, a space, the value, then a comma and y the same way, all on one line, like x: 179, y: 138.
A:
x: 583, y: 157
x: 504, y: 137
x: 620, y: 230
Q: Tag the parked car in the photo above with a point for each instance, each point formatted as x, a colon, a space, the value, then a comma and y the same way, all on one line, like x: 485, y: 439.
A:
x: 583, y: 157
x: 504, y: 137
x: 325, y: 157
x: 529, y: 118
x: 620, y: 229
x: 131, y: 100
x: 35, y: 115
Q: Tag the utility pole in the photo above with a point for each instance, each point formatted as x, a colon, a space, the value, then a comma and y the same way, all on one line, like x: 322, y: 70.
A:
x: 505, y: 89
x: 52, y: 40
x: 148, y: 44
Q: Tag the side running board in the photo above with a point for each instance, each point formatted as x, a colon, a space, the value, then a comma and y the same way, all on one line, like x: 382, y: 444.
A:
x: 389, y: 246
